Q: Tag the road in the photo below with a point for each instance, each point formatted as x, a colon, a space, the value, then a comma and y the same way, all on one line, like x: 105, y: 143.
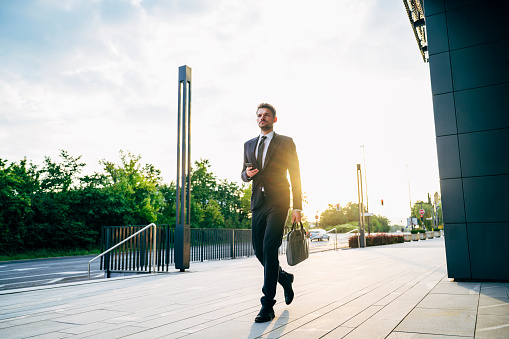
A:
x: 317, y: 246
x: 42, y: 272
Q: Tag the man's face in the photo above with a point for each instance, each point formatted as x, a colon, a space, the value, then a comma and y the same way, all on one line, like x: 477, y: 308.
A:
x: 265, y: 119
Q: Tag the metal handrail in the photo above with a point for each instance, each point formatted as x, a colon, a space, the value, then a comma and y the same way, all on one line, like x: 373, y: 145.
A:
x: 336, y: 237
x: 123, y: 241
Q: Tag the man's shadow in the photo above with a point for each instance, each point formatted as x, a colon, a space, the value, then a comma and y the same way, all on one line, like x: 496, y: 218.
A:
x: 279, y: 324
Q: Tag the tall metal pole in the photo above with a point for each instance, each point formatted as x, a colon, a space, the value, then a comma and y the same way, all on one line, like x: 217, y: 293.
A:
x: 183, y: 204
x: 409, y: 198
x: 362, y: 236
x: 365, y: 178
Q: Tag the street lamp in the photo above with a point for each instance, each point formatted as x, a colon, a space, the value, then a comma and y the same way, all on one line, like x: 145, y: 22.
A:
x: 409, y: 198
x: 365, y: 177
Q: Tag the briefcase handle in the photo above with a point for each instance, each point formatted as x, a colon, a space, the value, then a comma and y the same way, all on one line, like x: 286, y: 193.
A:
x: 301, y: 227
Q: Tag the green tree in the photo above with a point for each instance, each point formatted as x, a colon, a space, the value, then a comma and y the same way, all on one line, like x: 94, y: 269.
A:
x: 60, y: 177
x: 351, y: 211
x: 243, y: 218
x: 232, y: 200
x: 379, y: 223
x: 57, y: 221
x: 427, y: 213
x: 18, y: 183
x: 137, y: 187
x: 203, y: 182
x: 332, y: 217
x: 350, y: 214
x: 55, y: 207
x: 167, y: 211
x: 212, y: 216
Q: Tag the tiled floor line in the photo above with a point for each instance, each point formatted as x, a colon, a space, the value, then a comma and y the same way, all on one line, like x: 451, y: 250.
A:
x: 428, y: 273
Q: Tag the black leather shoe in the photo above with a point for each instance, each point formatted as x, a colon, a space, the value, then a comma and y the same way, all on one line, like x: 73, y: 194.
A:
x: 266, y: 314
x: 287, y: 286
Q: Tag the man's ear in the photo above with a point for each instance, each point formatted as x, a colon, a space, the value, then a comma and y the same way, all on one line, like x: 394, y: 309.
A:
x: 275, y: 119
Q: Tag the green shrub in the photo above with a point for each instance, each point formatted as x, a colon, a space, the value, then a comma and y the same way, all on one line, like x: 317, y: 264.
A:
x: 343, y: 228
x: 414, y: 231
x: 353, y: 242
x: 422, y: 231
x: 436, y: 229
x: 376, y: 239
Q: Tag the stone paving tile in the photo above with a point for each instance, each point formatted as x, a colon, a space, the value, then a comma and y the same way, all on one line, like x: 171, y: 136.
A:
x: 33, y: 329
x: 109, y: 333
x: 26, y: 319
x: 362, y: 316
x: 439, y: 321
x: 231, y: 311
x: 71, y: 309
x: 159, y: 331
x: 240, y: 329
x: 83, y: 329
x: 128, y: 306
x: 492, y: 326
x: 383, y: 322
x: 407, y: 335
x: 388, y: 299
x: 450, y: 301
x: 298, y: 334
x: 52, y: 335
x: 288, y: 329
x: 339, y: 332
x: 33, y: 308
x: 370, y: 330
x: 457, y: 288
x: 494, y: 290
x: 89, y: 317
x: 493, y: 305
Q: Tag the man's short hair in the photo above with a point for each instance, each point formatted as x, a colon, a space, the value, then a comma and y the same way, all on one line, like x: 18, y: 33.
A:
x: 269, y: 106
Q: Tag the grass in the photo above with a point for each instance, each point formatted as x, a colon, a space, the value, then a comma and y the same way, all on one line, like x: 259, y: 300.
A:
x: 47, y: 253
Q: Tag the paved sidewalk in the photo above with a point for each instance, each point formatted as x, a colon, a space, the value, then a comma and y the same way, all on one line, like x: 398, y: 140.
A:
x: 393, y: 291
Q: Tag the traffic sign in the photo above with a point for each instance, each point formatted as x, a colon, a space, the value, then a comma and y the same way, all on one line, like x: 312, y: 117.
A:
x: 421, y: 212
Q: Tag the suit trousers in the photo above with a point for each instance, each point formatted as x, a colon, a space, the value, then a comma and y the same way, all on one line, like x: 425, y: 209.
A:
x: 268, y: 222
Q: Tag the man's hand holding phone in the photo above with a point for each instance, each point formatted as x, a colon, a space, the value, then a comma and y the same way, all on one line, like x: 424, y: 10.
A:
x: 250, y: 171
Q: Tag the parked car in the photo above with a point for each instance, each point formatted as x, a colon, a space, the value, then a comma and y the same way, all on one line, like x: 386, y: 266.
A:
x: 318, y: 234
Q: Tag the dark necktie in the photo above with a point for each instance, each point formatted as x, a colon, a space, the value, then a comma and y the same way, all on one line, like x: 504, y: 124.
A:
x: 259, y: 158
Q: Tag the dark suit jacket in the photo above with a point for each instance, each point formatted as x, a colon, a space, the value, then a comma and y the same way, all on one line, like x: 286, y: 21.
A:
x: 281, y: 158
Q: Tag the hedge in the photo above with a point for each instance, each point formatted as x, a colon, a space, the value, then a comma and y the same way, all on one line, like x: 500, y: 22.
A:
x: 376, y: 239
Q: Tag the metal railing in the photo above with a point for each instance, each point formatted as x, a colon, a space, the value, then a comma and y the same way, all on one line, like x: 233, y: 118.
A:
x: 128, y: 249
x: 217, y: 244
x: 335, y: 238
x: 132, y: 252
x: 154, y: 248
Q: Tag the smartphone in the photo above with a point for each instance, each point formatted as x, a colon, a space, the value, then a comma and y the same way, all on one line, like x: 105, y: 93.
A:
x: 248, y: 164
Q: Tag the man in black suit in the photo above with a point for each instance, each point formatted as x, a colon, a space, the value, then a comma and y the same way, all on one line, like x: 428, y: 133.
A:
x: 267, y: 160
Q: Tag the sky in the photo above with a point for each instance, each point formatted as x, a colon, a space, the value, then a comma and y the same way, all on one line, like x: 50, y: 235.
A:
x: 96, y: 77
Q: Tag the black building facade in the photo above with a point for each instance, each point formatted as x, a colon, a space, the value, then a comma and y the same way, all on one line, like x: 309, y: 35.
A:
x: 468, y: 50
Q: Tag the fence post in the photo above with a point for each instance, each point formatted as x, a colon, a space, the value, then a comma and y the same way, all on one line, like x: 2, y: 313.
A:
x: 154, y: 249
x: 107, y: 255
x: 202, y: 243
x: 232, y: 244
x: 143, y: 248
